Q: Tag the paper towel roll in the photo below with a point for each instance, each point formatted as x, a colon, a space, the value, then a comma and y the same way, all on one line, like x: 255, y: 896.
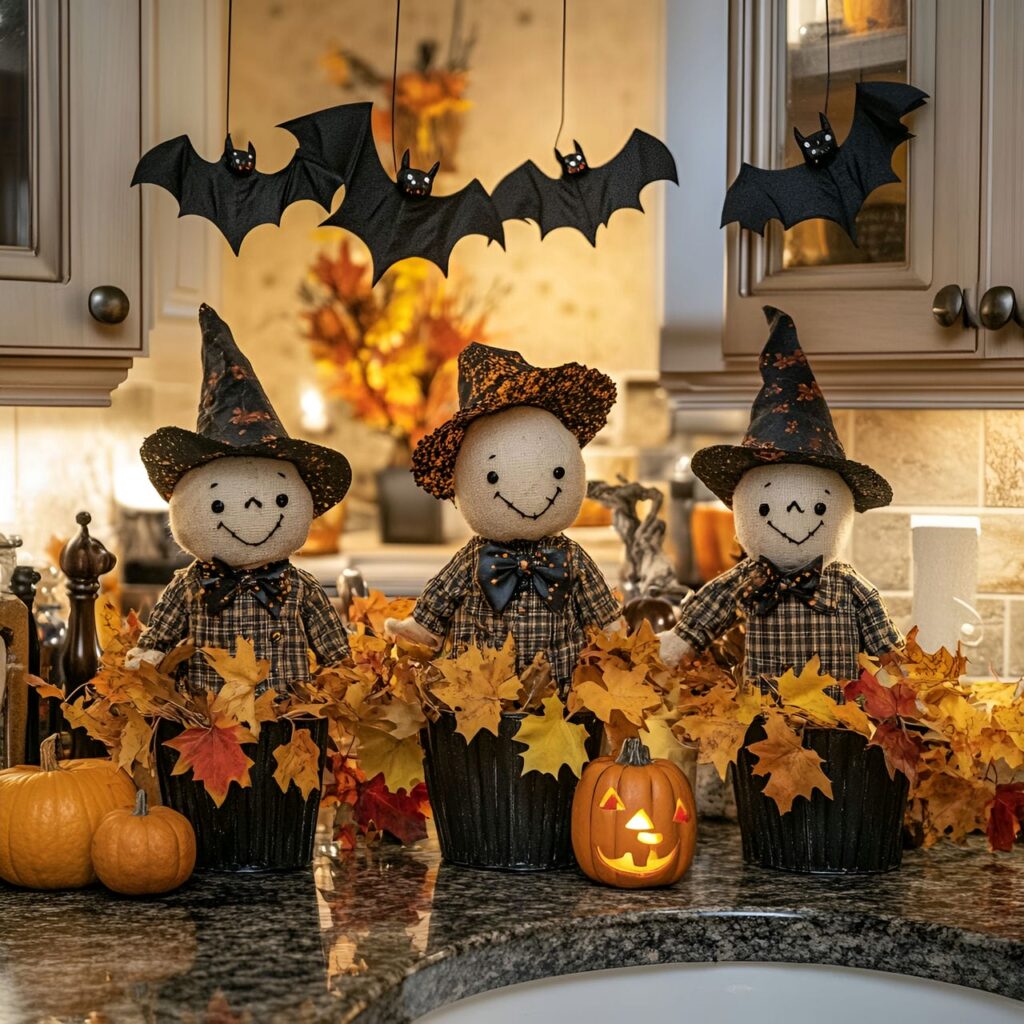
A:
x: 945, y: 552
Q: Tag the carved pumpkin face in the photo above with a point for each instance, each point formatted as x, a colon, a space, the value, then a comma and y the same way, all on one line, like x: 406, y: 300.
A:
x: 634, y: 824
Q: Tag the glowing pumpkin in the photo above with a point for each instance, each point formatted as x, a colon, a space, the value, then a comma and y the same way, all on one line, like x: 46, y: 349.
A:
x: 634, y: 824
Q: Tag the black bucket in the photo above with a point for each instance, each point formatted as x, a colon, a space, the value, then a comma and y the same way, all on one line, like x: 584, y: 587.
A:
x: 257, y: 828
x: 487, y: 814
x: 858, y: 831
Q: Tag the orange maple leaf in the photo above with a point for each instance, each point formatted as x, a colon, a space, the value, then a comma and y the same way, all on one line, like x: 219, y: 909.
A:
x: 215, y: 756
x: 793, y: 769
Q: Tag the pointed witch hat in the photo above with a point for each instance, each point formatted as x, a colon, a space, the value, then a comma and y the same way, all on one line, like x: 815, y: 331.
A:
x: 237, y: 419
x: 492, y: 379
x: 789, y: 422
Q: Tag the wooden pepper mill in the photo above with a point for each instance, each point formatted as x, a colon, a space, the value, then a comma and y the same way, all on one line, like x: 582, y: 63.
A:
x: 83, y: 560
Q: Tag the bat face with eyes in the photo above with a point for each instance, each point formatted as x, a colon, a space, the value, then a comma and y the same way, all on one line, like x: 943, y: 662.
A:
x: 414, y: 182
x: 573, y: 163
x: 819, y: 148
x: 239, y: 161
x: 791, y: 514
x: 243, y: 511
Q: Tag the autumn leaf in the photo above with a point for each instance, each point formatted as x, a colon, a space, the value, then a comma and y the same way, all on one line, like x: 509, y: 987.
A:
x: 806, y: 692
x: 953, y: 806
x: 242, y: 673
x: 134, y: 740
x: 624, y: 690
x: 175, y: 657
x: 918, y: 665
x: 1005, y: 816
x: 215, y: 756
x: 793, y: 770
x: 882, y: 702
x: 375, y: 608
x: 718, y: 740
x: 657, y: 735
x: 551, y: 741
x: 298, y: 762
x: 108, y: 622
x: 399, y: 813
x: 902, y: 749
x: 400, y: 761
x: 43, y: 688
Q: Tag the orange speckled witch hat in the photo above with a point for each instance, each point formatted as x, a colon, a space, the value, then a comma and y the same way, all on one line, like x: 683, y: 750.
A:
x: 237, y: 419
x: 789, y: 422
x: 493, y: 379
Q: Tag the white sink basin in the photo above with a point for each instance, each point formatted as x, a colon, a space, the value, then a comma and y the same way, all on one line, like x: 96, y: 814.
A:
x: 747, y: 993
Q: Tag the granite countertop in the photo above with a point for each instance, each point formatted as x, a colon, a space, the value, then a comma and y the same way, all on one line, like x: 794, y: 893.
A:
x: 384, y: 935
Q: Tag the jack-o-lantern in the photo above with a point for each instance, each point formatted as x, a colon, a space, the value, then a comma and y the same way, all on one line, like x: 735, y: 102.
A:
x: 634, y: 823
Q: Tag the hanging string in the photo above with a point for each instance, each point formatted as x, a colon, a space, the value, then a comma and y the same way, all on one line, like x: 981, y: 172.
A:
x: 227, y: 98
x: 394, y: 85
x: 828, y: 58
x: 561, y: 122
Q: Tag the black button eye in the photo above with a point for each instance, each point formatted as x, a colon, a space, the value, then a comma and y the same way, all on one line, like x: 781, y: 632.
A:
x: 820, y: 509
x: 763, y: 508
x: 492, y: 477
x: 282, y: 500
x: 217, y: 506
x: 558, y: 472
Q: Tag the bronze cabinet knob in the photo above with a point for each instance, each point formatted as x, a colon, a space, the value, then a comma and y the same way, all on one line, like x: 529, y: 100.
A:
x: 950, y: 305
x: 998, y: 307
x: 108, y: 304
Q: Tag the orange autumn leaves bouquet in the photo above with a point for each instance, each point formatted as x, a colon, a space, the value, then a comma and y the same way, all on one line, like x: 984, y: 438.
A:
x: 960, y: 744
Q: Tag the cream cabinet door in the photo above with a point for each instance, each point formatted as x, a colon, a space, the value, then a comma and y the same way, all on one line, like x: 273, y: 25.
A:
x: 873, y: 302
x: 70, y: 106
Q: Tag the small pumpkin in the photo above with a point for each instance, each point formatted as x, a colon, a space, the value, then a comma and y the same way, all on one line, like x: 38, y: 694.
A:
x: 48, y: 814
x: 142, y: 851
x: 634, y: 823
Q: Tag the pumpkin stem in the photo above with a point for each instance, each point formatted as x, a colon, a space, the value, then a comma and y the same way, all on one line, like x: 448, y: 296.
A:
x: 634, y: 752
x: 141, y: 804
x: 49, y: 759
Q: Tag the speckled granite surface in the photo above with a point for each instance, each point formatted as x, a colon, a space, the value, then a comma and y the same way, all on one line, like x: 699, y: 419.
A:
x: 386, y: 935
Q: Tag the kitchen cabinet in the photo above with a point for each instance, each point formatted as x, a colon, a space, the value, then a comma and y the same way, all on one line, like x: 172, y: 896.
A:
x: 865, y: 314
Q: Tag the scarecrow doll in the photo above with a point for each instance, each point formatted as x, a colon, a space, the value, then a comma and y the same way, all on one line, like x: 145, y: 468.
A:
x: 242, y: 495
x: 793, y: 493
x: 511, y: 459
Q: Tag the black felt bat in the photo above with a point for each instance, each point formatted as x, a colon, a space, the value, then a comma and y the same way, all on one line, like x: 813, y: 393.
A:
x: 399, y: 219
x: 834, y: 180
x: 584, y: 197
x: 232, y: 194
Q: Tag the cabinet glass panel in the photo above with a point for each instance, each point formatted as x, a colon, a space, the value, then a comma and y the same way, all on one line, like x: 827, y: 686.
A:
x: 15, y: 131
x: 869, y: 43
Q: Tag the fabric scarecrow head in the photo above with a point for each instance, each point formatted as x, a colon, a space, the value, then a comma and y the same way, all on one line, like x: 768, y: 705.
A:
x: 511, y: 455
x: 241, y: 490
x: 792, y: 489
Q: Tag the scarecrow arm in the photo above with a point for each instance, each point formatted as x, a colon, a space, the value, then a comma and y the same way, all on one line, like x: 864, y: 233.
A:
x: 325, y: 632
x: 168, y: 623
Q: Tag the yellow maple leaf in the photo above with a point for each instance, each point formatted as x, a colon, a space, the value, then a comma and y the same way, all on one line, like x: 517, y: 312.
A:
x: 718, y: 739
x: 298, y: 761
x: 400, y: 760
x: 954, y: 806
x: 624, y: 690
x: 806, y: 692
x: 551, y: 741
x: 108, y: 622
x: 657, y: 735
x: 792, y: 769
x: 242, y: 673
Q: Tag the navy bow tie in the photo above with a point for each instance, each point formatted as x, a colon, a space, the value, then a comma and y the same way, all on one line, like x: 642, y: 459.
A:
x: 503, y: 570
x: 222, y: 584
x: 768, y: 585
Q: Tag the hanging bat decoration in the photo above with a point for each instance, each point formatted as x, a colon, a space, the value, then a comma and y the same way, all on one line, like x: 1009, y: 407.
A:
x: 236, y: 197
x: 400, y: 218
x: 584, y: 197
x: 834, y: 180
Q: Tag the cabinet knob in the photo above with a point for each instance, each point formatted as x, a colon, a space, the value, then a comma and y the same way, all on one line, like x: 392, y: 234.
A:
x: 950, y: 305
x: 998, y: 307
x: 108, y: 304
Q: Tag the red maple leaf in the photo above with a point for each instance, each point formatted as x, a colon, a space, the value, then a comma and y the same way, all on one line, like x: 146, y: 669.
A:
x: 1004, y: 818
x: 902, y: 749
x: 215, y: 756
x: 400, y: 814
x: 882, y: 702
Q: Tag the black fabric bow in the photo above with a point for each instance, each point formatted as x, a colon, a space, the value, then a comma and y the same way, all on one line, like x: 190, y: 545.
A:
x: 222, y: 584
x: 502, y: 570
x: 768, y: 584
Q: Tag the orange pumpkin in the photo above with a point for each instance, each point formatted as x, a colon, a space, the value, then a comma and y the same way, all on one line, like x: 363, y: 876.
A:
x: 48, y: 814
x: 634, y: 824
x: 142, y: 851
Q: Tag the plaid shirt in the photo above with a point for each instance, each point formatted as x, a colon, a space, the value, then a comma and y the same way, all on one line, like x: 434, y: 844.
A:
x: 308, y: 621
x: 848, y: 618
x: 454, y: 606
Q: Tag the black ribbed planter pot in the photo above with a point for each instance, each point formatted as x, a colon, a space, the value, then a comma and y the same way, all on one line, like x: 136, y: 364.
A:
x: 258, y: 828
x: 858, y: 831
x: 487, y: 814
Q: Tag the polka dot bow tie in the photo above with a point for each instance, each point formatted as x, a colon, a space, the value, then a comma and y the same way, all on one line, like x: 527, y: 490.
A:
x: 502, y: 571
x: 768, y: 585
x: 222, y: 584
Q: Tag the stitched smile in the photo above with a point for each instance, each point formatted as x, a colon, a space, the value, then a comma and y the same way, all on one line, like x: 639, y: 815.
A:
x: 790, y: 539
x: 253, y: 543
x: 526, y: 515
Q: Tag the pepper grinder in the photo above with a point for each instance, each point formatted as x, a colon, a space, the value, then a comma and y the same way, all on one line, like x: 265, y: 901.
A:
x: 83, y: 560
x: 23, y: 586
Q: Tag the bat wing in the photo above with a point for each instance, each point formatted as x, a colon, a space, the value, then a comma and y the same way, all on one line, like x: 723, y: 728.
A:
x: 789, y: 195
x: 527, y: 193
x: 864, y: 161
x: 617, y: 184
